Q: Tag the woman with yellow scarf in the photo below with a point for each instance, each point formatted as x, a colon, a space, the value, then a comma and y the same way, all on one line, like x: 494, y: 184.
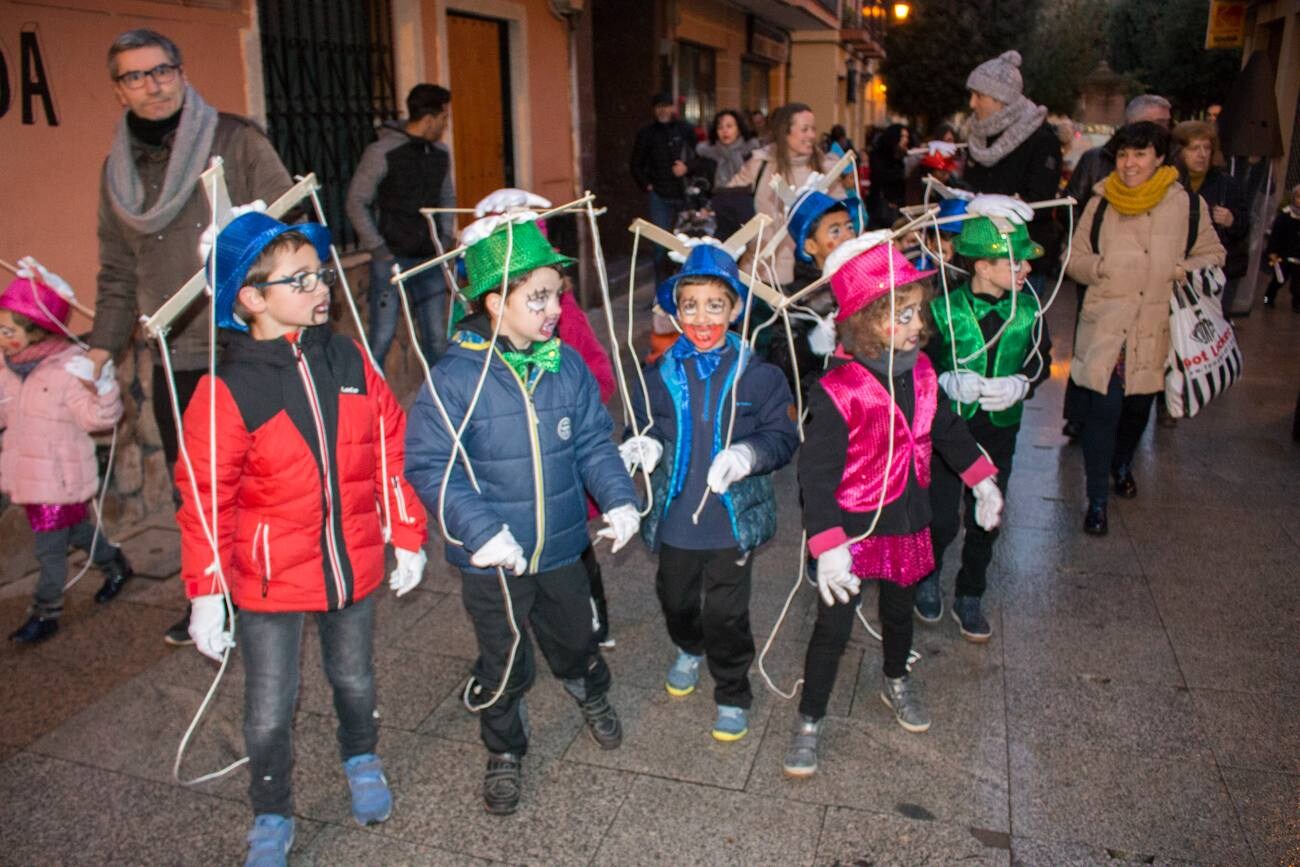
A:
x: 1129, y: 260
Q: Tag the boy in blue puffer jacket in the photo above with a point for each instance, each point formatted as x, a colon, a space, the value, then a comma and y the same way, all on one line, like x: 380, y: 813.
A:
x: 514, y: 509
x: 690, y: 390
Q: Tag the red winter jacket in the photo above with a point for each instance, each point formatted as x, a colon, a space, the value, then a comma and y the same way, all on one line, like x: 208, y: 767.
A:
x: 300, y: 522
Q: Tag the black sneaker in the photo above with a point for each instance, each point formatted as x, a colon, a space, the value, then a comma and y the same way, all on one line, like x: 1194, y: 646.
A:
x: 178, y: 634
x: 116, y: 572
x: 1125, y: 486
x: 501, y: 783
x: 966, y: 611
x: 35, y: 630
x: 602, y: 722
x: 929, y: 599
x: 1094, y: 520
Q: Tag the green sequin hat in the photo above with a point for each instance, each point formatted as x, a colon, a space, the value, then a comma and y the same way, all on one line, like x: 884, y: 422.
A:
x: 486, y: 259
x: 980, y: 239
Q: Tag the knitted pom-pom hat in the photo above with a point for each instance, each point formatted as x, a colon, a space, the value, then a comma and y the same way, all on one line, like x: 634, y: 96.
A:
x: 998, y: 78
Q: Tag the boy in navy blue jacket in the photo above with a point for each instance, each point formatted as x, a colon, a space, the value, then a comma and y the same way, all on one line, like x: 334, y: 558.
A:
x: 515, y: 510
x: 713, y: 505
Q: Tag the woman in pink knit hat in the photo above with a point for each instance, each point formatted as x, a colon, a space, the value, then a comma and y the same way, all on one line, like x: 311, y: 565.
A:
x: 874, y: 419
x: 50, y: 402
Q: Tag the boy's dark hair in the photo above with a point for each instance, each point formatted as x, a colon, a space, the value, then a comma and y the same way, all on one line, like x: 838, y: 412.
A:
x: 425, y: 100
x: 30, y: 328
x: 861, y: 333
x: 141, y: 38
x: 1139, y: 135
x: 264, y: 264
x: 838, y: 207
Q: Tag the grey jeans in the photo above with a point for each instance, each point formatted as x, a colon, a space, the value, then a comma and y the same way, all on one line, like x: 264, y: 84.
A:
x: 271, y: 645
x: 52, y: 554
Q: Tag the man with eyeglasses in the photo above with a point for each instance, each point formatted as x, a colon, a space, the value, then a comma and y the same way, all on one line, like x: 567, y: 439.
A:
x: 152, y: 211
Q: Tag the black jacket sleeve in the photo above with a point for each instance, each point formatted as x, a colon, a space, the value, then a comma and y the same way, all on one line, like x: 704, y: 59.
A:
x: 951, y: 439
x: 640, y: 163
x: 821, y: 463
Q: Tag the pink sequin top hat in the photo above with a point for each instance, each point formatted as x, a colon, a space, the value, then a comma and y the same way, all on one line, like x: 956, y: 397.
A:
x: 38, y: 302
x: 859, y: 271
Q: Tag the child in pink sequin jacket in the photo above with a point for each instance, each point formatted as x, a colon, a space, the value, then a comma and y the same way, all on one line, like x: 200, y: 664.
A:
x: 852, y: 481
x: 48, y: 407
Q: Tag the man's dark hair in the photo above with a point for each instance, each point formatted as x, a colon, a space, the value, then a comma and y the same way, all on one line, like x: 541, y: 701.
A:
x: 425, y: 100
x: 141, y: 38
x: 1138, y: 136
x: 661, y: 99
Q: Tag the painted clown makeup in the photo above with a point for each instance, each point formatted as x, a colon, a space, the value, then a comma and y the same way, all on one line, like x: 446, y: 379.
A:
x: 704, y: 310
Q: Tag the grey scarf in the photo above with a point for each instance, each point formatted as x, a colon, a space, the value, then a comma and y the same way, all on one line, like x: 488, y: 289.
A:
x: 1012, y: 125
x: 188, y: 159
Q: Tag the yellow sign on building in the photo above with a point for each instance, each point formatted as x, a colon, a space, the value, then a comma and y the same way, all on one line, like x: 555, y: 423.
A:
x: 1226, y: 27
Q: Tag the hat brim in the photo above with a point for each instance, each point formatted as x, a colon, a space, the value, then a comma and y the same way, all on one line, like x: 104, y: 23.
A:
x: 232, y: 281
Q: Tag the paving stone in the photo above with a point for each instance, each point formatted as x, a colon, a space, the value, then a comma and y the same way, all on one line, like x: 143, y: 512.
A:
x: 1267, y: 804
x: 1250, y: 731
x: 340, y: 845
x: 858, y: 837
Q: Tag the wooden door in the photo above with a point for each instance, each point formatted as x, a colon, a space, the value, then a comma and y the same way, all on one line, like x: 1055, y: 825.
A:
x: 480, y: 75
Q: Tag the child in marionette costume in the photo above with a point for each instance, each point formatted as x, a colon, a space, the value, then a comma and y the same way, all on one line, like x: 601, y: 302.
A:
x: 515, y: 506
x: 875, y: 418
x: 987, y: 383
x: 709, y: 460
x: 50, y: 403
x: 307, y: 441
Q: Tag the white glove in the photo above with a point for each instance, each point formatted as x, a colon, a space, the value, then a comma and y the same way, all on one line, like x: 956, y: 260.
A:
x: 821, y: 340
x: 81, y: 367
x: 988, y: 504
x: 209, y: 236
x: 409, y: 571
x: 623, y: 523
x: 961, y: 385
x: 208, y: 626
x: 730, y: 465
x: 501, y: 550
x: 506, y: 199
x: 31, y: 269
x: 994, y: 205
x: 943, y: 148
x: 641, y: 450
x: 107, y: 378
x: 1003, y: 392
x: 835, y: 578
x: 481, y: 228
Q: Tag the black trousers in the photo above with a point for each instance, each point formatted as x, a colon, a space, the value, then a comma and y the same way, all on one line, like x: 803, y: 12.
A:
x: 717, y: 629
x: 1111, y: 432
x: 186, y: 382
x: 557, y: 606
x: 599, y: 605
x: 831, y: 634
x: 946, y: 500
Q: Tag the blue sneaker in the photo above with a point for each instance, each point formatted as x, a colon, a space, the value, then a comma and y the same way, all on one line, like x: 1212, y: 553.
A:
x: 684, y: 674
x: 270, y: 841
x: 732, y: 724
x: 371, y: 800
x: 929, y: 599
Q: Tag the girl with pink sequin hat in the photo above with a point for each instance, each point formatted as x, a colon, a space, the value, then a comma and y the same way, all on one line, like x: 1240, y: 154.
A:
x: 875, y: 418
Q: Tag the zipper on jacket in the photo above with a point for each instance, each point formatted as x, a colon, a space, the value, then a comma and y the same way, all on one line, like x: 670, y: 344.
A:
x: 539, y: 484
x: 326, y: 477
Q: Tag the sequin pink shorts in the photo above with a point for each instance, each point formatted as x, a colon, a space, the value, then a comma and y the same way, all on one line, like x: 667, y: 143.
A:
x: 901, y: 559
x: 45, y: 517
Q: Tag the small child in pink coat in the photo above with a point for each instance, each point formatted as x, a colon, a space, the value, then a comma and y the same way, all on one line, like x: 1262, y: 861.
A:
x: 50, y: 402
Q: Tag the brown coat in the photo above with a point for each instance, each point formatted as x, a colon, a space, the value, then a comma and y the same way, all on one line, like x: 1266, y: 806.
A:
x: 1130, y: 283
x: 137, y: 272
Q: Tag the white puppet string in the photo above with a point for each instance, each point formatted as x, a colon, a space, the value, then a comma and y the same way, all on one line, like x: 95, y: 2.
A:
x: 343, y: 284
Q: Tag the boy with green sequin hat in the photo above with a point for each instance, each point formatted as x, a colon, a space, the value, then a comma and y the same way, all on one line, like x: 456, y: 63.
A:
x: 513, y: 507
x: 991, y: 348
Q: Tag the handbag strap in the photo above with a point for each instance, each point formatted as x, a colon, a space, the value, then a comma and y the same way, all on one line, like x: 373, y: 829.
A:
x: 753, y: 188
x: 1193, y: 219
x: 1094, y: 235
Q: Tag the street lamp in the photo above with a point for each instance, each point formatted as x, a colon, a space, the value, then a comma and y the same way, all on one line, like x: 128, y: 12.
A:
x: 901, y: 11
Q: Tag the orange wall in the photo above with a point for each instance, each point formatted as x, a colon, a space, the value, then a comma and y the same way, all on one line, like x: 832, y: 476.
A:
x: 50, y: 175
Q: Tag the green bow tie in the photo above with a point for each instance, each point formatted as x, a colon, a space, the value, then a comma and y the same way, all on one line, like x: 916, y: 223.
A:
x: 545, y: 355
x: 982, y: 307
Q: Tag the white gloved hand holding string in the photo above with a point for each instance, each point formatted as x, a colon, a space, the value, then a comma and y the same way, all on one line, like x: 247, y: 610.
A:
x: 1003, y: 392
x: 81, y: 367
x: 962, y: 386
x: 642, y: 451
x: 729, y: 466
x: 208, y: 626
x: 623, y: 522
x: 107, y: 378
x: 942, y: 148
x: 988, y: 504
x: 409, y: 571
x: 30, y: 269
x: 835, y: 578
x: 994, y: 205
x: 508, y: 199
x: 501, y: 551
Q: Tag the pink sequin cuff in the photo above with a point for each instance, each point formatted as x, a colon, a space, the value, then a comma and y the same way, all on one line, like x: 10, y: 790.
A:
x: 826, y: 540
x: 979, y: 471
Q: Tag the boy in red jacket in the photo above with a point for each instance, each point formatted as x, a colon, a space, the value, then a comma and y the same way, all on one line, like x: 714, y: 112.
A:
x: 308, y: 488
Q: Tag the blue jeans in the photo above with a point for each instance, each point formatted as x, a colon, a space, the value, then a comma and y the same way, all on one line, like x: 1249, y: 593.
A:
x: 271, y: 645
x: 427, y: 293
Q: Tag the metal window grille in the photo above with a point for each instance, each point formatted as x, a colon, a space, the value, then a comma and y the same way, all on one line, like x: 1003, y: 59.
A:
x: 328, y: 75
